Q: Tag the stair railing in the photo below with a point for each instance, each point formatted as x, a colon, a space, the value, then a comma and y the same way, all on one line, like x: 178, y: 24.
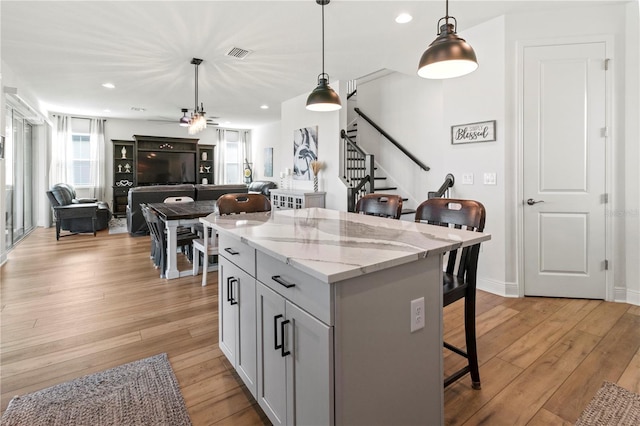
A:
x: 443, y: 191
x: 357, y: 171
x: 392, y: 140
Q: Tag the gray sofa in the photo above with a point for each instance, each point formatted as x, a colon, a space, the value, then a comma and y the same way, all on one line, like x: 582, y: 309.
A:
x: 136, y: 224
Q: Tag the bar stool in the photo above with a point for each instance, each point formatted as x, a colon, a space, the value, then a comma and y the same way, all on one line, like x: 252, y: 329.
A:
x: 461, y: 282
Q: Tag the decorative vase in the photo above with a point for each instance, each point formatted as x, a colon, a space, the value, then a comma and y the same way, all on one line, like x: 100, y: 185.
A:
x: 205, y: 181
x: 204, y: 155
x: 315, y: 183
x: 123, y: 151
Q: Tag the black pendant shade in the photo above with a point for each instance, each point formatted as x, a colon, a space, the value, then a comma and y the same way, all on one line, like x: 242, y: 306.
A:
x: 323, y: 97
x: 184, y: 120
x: 449, y: 55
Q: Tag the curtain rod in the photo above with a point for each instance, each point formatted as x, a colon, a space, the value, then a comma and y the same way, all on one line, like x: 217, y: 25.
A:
x: 80, y: 117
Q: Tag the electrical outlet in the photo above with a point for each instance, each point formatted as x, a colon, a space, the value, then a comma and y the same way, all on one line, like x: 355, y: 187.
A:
x: 467, y: 179
x: 417, y: 314
x: 490, y: 179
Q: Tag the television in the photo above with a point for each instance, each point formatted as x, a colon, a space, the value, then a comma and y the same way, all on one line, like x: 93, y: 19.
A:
x: 165, y: 167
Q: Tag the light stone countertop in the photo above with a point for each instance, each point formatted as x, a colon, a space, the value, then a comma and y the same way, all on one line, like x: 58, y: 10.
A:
x: 334, y: 245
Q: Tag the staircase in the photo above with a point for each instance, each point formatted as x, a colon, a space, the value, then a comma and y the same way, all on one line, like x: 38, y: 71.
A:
x: 358, y: 168
x: 360, y: 172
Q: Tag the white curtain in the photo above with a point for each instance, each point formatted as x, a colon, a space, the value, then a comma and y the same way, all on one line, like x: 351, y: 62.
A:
x: 220, y: 167
x: 97, y: 150
x: 60, y: 150
x: 245, y: 137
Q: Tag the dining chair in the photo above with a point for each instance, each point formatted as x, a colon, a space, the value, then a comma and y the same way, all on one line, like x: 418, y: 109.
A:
x: 186, y: 232
x: 459, y: 281
x: 383, y: 205
x: 206, y: 246
x: 226, y: 204
x: 156, y: 245
x: 242, y: 203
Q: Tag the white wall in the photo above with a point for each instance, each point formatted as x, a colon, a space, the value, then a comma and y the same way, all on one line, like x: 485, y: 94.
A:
x: 631, y: 213
x: 420, y: 114
x: 296, y: 116
x: 593, y: 22
x: 267, y: 136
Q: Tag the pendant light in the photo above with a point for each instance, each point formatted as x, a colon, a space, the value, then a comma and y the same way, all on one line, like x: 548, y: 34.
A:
x: 323, y: 97
x: 197, y: 122
x: 448, y: 55
x: 184, y: 120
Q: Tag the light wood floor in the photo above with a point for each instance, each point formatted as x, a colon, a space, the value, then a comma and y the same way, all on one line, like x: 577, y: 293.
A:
x: 85, y: 304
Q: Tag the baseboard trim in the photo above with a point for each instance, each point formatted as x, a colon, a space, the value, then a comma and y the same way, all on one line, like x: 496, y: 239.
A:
x: 628, y: 296
x: 499, y: 288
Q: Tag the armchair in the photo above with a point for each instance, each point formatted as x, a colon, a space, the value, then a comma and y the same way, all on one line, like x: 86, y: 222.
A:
x: 77, y: 215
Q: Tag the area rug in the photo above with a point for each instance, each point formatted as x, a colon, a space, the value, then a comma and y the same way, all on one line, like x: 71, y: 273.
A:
x: 612, y: 406
x: 143, y: 392
x: 117, y: 225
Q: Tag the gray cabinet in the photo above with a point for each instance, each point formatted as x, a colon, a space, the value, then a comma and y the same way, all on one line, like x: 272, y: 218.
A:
x: 237, y: 310
x: 124, y: 174
x: 291, y: 199
x: 205, y: 164
x: 295, y: 353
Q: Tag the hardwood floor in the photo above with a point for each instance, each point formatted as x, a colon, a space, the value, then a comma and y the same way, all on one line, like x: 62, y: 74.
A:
x: 85, y: 304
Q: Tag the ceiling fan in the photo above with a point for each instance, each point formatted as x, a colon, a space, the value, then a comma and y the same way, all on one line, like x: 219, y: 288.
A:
x: 185, y: 119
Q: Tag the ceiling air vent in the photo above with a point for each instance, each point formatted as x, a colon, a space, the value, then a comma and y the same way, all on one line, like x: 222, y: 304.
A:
x: 237, y: 52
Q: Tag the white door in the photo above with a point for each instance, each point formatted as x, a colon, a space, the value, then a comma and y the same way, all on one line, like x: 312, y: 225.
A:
x: 564, y: 140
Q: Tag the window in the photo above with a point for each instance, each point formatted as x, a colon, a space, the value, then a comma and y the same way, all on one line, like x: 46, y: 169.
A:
x: 233, y: 162
x: 80, y: 160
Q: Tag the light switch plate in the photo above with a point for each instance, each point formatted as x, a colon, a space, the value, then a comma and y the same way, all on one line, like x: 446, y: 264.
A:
x: 467, y: 179
x: 490, y: 179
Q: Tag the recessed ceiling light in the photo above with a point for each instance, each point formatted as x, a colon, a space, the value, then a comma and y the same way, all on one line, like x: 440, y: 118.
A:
x: 109, y: 85
x: 403, y: 18
x: 264, y: 106
x: 106, y: 110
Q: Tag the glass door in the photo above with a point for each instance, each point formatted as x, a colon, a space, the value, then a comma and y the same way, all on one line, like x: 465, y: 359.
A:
x: 19, y: 178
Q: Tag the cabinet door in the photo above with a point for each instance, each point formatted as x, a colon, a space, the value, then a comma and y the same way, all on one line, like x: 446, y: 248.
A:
x: 271, y: 362
x: 309, y: 369
x: 228, y: 309
x: 247, y: 352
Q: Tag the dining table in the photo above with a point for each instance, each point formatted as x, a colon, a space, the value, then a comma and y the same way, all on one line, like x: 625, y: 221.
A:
x: 180, y: 214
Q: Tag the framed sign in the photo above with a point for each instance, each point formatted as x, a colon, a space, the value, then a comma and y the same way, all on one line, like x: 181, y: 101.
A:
x: 483, y: 131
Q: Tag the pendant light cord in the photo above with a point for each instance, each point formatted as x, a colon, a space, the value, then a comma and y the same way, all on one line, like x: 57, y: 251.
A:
x: 196, y: 85
x: 323, y: 38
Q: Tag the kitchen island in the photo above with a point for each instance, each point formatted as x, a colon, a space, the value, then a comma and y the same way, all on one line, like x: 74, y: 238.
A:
x: 317, y: 309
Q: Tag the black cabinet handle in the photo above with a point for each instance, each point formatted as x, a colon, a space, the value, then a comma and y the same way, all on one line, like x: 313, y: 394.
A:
x: 231, y: 251
x: 230, y: 298
x: 283, y: 353
x: 282, y: 282
x: 276, y: 346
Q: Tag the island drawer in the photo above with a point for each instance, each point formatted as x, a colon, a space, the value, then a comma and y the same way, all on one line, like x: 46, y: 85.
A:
x: 309, y: 293
x: 237, y: 252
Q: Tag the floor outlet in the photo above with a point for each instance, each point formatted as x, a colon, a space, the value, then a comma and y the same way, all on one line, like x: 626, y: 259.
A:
x: 417, y: 314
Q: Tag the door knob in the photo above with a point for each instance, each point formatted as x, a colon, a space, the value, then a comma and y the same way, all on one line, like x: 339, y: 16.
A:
x: 531, y: 201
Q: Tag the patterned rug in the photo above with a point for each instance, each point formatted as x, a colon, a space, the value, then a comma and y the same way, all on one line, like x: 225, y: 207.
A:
x: 143, y: 392
x: 117, y: 225
x: 612, y: 406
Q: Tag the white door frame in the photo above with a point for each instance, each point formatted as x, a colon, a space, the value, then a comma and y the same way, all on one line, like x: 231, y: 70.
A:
x: 609, y: 150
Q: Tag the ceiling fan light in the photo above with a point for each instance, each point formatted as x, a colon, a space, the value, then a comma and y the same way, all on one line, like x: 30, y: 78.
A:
x: 323, y: 97
x: 184, y: 120
x: 198, y: 124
